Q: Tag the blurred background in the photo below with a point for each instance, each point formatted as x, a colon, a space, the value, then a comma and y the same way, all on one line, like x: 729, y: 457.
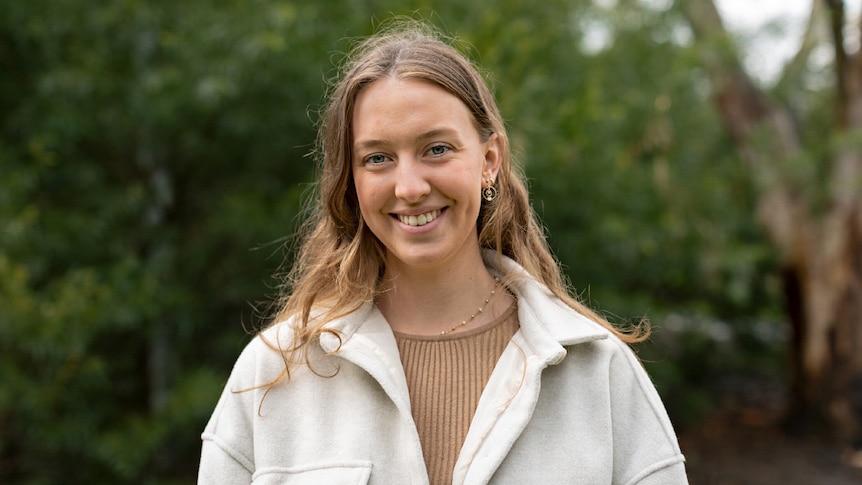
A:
x: 698, y: 166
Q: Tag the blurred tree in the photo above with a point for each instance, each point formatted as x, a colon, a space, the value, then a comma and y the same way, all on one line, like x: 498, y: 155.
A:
x: 808, y: 173
x: 146, y: 148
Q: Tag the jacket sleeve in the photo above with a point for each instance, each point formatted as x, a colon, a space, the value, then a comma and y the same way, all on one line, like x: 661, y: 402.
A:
x: 646, y: 451
x: 664, y: 475
x: 221, y: 464
x: 227, y: 452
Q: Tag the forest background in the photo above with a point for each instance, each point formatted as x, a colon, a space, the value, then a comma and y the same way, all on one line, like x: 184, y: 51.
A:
x: 154, y: 158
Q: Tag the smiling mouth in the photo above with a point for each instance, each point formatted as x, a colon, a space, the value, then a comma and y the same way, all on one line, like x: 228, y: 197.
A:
x: 419, y: 220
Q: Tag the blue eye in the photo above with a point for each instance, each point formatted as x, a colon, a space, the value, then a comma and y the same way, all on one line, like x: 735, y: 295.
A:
x: 438, y: 150
x: 375, y: 159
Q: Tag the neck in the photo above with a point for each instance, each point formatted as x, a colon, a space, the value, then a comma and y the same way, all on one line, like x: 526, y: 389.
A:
x: 430, y: 301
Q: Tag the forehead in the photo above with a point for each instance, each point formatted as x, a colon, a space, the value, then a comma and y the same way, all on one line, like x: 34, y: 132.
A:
x: 393, y: 106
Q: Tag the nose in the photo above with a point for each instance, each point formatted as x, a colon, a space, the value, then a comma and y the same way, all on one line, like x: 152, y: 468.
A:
x: 411, y: 182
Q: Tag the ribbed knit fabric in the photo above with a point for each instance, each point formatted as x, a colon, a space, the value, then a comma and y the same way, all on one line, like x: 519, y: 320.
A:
x: 445, y: 376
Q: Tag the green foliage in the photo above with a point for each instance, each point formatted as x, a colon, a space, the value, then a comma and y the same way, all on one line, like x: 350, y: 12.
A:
x: 146, y: 150
x: 153, y: 156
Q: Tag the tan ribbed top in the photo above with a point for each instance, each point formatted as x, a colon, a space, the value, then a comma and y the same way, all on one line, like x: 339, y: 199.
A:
x: 445, y: 376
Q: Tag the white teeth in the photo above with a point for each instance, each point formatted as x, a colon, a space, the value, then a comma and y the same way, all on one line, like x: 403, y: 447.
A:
x: 419, y: 220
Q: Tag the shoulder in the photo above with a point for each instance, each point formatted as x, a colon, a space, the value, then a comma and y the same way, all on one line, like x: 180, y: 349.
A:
x: 284, y: 346
x: 262, y: 359
x: 538, y: 307
x: 546, y: 319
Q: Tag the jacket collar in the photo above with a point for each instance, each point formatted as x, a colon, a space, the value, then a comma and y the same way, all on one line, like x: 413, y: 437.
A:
x: 547, y: 324
x: 365, y: 338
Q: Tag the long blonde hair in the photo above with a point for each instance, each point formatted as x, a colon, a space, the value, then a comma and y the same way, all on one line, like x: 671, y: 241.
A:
x: 340, y: 263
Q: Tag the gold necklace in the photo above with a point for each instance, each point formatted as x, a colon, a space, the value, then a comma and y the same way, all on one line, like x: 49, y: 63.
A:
x: 480, y: 310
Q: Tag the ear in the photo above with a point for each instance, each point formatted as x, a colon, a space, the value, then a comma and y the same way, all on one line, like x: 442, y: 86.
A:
x: 493, y: 157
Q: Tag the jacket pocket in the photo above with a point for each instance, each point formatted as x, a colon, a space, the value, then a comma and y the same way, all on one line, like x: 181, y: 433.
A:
x: 343, y: 473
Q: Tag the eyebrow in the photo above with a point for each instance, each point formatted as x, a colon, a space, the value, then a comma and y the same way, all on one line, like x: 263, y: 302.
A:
x: 366, y: 144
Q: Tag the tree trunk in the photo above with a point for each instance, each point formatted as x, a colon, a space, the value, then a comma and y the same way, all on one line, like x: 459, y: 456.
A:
x: 815, y: 230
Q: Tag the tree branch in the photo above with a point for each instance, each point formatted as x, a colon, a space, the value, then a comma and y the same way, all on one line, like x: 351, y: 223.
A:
x: 739, y: 100
x: 854, y: 83
x: 836, y: 8
x: 764, y: 132
x: 810, y: 39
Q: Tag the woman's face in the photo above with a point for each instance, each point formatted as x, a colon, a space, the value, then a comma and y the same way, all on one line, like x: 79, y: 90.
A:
x: 418, y: 163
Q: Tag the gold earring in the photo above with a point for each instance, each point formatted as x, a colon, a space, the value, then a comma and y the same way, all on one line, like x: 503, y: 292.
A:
x: 489, y: 193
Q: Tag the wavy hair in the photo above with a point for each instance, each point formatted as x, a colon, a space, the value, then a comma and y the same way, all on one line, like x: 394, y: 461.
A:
x: 340, y: 263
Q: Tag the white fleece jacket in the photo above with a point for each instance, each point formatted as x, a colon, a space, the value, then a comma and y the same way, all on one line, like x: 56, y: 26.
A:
x: 567, y: 403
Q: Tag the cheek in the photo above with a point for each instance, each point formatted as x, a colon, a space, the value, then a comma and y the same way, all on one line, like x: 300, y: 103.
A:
x: 367, y: 194
x: 471, y: 181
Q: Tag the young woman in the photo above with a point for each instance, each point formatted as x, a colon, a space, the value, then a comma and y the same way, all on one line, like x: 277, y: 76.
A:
x: 427, y: 336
